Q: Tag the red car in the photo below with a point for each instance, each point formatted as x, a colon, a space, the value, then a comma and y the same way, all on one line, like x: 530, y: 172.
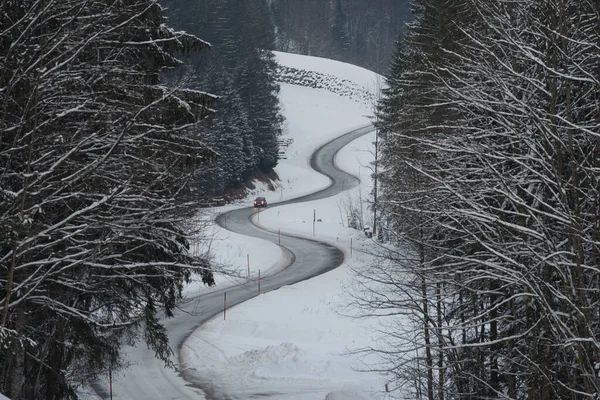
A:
x: 260, y: 202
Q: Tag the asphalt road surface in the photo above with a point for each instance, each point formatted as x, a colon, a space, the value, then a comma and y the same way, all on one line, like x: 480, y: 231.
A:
x: 147, y: 378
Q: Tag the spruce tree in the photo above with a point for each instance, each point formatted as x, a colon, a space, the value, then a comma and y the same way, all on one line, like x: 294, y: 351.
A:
x: 243, y: 53
x: 94, y: 153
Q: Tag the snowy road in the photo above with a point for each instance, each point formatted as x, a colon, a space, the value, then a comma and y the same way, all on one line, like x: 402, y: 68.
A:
x: 147, y: 378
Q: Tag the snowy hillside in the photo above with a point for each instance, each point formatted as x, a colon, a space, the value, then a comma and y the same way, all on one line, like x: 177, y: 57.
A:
x: 337, y: 77
x: 291, y: 343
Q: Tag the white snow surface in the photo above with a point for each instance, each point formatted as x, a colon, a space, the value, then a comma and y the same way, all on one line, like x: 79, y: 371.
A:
x: 292, y: 343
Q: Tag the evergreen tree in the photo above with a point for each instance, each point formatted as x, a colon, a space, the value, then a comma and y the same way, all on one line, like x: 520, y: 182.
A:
x: 94, y: 153
x: 241, y: 52
x: 229, y: 133
x: 339, y: 29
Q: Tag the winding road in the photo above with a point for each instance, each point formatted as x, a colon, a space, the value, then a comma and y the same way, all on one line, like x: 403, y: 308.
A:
x: 147, y: 378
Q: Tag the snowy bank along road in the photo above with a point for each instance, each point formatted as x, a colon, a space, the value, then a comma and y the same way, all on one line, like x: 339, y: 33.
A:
x: 147, y: 378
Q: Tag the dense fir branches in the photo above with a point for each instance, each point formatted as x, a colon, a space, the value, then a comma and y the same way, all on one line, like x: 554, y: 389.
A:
x: 94, y: 154
x: 240, y: 70
x: 339, y: 30
x: 489, y: 130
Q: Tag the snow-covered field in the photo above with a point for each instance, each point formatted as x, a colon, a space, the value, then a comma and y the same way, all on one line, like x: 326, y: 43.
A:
x: 292, y: 343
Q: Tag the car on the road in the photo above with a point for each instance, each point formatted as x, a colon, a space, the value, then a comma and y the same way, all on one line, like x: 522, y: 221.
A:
x: 260, y: 202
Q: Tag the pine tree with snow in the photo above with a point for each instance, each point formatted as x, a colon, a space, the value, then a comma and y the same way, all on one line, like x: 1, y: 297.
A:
x: 94, y: 154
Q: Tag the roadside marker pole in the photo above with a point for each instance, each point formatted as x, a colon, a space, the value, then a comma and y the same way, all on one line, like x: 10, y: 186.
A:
x: 248, y: 257
x: 314, y: 220
x: 259, y: 281
x: 110, y: 381
x: 224, y: 305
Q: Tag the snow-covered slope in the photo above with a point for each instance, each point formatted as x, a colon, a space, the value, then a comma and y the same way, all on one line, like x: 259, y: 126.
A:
x: 344, y: 79
x: 292, y: 343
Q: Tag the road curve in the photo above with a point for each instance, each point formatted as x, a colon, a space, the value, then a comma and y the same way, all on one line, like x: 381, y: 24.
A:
x: 147, y: 378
